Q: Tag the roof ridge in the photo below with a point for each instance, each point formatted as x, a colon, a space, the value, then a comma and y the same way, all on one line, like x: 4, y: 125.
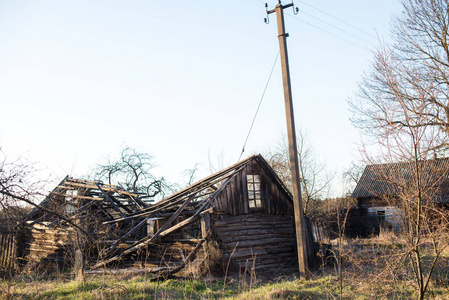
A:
x: 407, y: 162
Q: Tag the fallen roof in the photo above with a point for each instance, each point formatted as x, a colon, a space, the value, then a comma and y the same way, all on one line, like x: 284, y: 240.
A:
x: 113, y: 200
x: 197, y: 198
x: 124, y: 207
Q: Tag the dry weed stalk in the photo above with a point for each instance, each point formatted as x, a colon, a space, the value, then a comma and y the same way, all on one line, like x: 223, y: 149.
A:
x: 227, y: 266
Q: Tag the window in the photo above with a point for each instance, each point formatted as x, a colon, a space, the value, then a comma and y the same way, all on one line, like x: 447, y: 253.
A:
x: 381, y: 216
x: 254, y: 196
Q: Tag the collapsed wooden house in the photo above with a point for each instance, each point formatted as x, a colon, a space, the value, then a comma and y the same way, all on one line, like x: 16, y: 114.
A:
x: 241, y: 216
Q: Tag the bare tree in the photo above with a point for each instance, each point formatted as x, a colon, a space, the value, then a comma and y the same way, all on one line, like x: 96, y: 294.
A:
x: 17, y: 182
x: 191, y: 174
x: 410, y: 78
x: 315, y: 181
x: 417, y: 183
x: 404, y: 103
x: 351, y: 176
x: 133, y: 169
x: 21, y: 190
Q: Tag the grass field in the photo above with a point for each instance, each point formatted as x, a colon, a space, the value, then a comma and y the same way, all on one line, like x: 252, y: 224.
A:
x: 366, y: 274
x: 140, y: 287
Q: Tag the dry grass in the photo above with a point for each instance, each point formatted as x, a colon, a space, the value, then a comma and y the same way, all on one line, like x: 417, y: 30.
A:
x: 367, y: 274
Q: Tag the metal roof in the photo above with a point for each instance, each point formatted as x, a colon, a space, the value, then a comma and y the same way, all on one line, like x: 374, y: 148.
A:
x: 394, y: 179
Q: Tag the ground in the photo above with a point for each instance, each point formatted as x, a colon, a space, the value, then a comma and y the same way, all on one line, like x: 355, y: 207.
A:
x: 139, y: 287
x: 365, y: 275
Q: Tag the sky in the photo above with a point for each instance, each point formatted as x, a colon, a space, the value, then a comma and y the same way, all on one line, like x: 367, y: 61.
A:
x: 180, y: 80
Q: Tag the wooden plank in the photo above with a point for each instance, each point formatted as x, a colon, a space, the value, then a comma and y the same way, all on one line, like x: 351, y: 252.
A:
x: 218, y: 203
x: 234, y: 201
x: 189, y: 258
x: 15, y: 245
x: 138, y: 201
x: 286, y: 236
x: 229, y: 203
x: 268, y: 243
x: 94, y: 186
x: 254, y: 218
x: 172, y: 242
x: 264, y: 186
x: 77, y: 211
x: 253, y: 225
x: 4, y: 250
x: 145, y: 213
x: 180, y: 225
x: 119, y: 202
x: 148, y: 240
x: 110, y: 200
x: 9, y: 250
x: 205, y: 225
x: 122, y: 238
x: 257, y: 231
x: 76, y: 196
x: 244, y: 193
x: 280, y: 204
x: 237, y: 193
x: 205, y: 228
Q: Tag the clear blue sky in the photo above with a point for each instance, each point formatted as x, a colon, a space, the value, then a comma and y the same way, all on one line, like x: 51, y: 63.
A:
x: 177, y: 79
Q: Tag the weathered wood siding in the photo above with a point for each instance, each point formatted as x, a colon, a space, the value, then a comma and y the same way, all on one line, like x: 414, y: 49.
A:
x: 376, y: 201
x: 8, y: 251
x: 263, y: 239
x: 234, y: 198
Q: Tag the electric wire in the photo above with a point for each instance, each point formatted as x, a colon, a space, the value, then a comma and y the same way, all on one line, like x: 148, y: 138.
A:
x: 345, y: 31
x: 346, y: 23
x: 328, y: 32
x: 277, y: 56
x: 334, y: 26
x: 258, y: 107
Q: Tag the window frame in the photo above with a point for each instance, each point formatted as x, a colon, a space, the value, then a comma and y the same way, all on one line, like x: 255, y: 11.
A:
x: 254, y: 191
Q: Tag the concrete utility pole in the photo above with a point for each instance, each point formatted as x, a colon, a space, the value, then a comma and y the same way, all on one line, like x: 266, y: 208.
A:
x: 292, y: 147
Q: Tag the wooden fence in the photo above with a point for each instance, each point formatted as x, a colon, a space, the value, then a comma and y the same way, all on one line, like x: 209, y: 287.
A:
x: 8, y: 251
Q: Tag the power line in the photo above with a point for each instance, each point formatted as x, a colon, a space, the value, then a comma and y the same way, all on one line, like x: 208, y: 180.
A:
x: 345, y: 31
x: 258, y: 107
x: 334, y: 26
x: 346, y: 23
x: 328, y: 32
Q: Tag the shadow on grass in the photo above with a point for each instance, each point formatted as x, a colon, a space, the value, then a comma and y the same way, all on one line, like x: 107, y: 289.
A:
x: 170, y: 289
x: 291, y: 294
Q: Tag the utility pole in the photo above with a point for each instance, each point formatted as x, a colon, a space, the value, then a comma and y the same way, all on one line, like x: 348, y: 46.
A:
x: 292, y: 147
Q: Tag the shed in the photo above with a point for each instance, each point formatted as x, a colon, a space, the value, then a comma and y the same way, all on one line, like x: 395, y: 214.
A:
x: 382, y: 187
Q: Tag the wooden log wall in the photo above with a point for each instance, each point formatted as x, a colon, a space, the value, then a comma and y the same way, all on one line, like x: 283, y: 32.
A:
x: 8, y: 251
x: 48, y: 245
x: 268, y: 241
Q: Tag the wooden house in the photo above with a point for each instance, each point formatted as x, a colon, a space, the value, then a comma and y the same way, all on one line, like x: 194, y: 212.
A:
x: 382, y: 187
x: 241, y: 216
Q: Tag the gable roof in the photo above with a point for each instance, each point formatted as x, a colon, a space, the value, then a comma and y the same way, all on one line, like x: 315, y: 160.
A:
x: 121, y: 204
x: 207, y: 189
x: 381, y: 180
